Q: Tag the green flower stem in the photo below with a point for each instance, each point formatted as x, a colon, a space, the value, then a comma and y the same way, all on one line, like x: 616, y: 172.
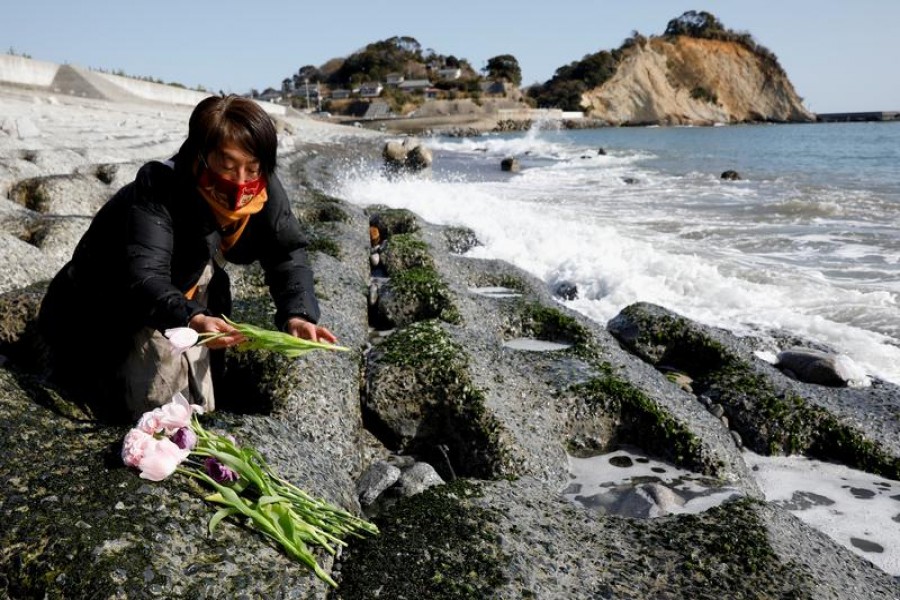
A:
x: 278, y: 341
x: 278, y: 509
x: 268, y: 526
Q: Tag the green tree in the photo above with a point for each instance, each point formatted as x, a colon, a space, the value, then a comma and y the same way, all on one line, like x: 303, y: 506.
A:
x: 695, y: 24
x: 570, y: 81
x: 505, y: 67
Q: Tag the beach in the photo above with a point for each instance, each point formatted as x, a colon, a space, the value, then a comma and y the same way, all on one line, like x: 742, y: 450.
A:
x: 514, y: 417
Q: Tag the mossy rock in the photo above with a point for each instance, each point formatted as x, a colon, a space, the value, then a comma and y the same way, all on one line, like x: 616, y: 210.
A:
x: 79, y: 524
x: 392, y: 221
x: 504, y: 280
x: 322, y: 212
x: 20, y: 340
x: 460, y: 239
x: 405, y: 251
x: 420, y: 400
x: 253, y: 381
x: 724, y: 552
x: 436, y: 545
x: 769, y: 411
x: 663, y: 338
x: 325, y: 245
x: 532, y: 319
x: 414, y: 295
x: 642, y: 422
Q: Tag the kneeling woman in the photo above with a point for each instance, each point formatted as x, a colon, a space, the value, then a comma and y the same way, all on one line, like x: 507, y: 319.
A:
x: 152, y: 260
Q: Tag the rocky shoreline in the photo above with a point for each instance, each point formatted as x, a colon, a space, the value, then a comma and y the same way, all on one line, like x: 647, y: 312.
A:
x: 452, y: 440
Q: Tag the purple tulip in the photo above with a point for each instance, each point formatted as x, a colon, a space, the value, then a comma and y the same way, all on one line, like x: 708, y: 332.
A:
x: 185, y: 438
x: 219, y: 472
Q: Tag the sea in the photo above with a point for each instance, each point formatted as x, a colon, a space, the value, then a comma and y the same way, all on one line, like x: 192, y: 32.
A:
x: 806, y: 242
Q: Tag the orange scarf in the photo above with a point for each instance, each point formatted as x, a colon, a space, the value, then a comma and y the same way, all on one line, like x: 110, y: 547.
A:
x: 231, y: 222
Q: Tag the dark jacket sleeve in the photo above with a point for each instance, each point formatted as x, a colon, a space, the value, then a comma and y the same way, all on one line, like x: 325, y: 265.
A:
x: 285, y: 261
x: 149, y: 247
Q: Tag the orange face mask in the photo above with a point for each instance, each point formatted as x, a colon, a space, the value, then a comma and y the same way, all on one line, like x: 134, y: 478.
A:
x: 232, y: 195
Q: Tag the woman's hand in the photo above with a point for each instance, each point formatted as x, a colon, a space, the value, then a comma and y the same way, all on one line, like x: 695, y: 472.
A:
x: 302, y: 328
x: 205, y: 324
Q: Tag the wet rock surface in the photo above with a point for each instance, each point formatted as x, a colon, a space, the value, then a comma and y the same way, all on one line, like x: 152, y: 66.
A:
x: 430, y: 397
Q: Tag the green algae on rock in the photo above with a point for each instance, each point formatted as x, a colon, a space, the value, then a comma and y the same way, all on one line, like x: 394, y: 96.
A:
x: 641, y: 422
x: 392, y: 221
x: 421, y: 400
x: 434, y: 545
x: 416, y: 294
x: 772, y: 413
x: 405, y: 251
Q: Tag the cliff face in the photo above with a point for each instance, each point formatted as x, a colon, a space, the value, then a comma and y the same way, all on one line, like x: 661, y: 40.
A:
x: 686, y: 80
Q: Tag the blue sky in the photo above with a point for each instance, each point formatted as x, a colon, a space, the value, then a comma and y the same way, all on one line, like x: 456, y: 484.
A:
x: 840, y: 55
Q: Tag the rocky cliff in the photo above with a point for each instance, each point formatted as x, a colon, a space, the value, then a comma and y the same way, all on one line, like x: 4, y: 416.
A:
x: 679, y: 80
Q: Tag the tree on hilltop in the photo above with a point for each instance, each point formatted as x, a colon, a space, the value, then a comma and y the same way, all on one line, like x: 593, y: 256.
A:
x: 378, y: 59
x: 570, y: 81
x: 695, y: 24
x: 308, y: 73
x: 705, y: 25
x: 505, y: 67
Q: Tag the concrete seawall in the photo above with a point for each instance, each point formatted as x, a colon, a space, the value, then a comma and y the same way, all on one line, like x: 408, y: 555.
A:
x: 25, y: 71
x: 78, y: 81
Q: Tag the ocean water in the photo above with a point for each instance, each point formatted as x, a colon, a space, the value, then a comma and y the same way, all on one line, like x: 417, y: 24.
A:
x: 807, y: 242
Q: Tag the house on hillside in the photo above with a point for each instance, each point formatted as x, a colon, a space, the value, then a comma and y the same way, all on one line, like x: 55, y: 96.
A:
x: 371, y: 89
x: 271, y: 95
x: 450, y: 73
x: 340, y: 94
x: 495, y: 88
x: 310, y: 90
x: 415, y: 85
x: 393, y: 79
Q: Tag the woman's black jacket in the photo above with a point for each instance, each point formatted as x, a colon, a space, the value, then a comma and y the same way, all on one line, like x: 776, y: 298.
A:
x: 149, y: 244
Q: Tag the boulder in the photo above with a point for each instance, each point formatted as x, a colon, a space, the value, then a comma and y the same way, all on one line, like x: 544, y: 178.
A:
x: 566, y: 290
x: 811, y: 366
x: 409, y: 155
x: 460, y: 239
x: 730, y: 175
x: 378, y: 477
x: 510, y: 165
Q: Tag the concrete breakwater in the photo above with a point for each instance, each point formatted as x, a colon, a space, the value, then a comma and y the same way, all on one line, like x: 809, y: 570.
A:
x: 432, y: 380
x: 77, y: 81
x: 858, y: 117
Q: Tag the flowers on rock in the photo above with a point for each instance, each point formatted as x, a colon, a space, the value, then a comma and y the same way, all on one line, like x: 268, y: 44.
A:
x: 135, y: 446
x: 171, y: 439
x: 161, y: 459
x: 156, y: 458
x: 218, y: 471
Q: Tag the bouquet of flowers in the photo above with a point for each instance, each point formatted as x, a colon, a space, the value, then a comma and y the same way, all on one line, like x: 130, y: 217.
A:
x: 171, y: 439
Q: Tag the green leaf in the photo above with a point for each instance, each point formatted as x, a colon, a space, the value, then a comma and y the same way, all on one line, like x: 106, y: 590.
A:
x: 263, y: 500
x: 220, y: 514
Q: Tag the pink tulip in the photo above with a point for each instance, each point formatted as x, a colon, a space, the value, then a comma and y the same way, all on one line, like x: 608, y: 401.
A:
x: 135, y: 446
x: 181, y: 338
x: 177, y: 414
x: 161, y: 459
x: 150, y: 421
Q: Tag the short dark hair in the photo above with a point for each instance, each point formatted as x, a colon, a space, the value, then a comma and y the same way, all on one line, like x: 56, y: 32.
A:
x: 218, y: 120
